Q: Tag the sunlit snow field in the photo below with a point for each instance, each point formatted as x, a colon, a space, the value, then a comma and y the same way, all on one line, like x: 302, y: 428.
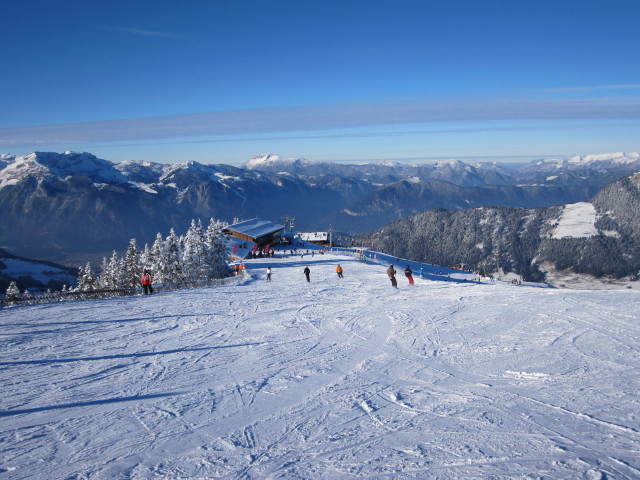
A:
x: 328, y: 379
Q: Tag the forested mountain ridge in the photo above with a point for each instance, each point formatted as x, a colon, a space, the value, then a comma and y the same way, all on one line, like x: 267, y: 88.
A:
x: 600, y: 237
x: 409, y: 197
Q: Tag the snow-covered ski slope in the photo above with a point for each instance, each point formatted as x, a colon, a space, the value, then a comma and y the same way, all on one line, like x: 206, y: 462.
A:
x: 331, y: 379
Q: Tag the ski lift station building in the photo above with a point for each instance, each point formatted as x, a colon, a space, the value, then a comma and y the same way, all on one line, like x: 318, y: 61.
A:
x: 319, y: 238
x: 258, y: 231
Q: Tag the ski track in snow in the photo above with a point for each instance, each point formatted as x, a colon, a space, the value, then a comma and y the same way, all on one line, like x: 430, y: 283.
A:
x: 328, y: 379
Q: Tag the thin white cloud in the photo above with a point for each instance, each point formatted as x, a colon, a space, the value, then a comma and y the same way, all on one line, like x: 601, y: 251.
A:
x: 378, y: 134
x: 597, y: 88
x: 318, y: 118
x: 142, y: 33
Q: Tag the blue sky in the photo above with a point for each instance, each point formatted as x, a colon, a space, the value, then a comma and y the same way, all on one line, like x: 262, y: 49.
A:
x: 223, y: 81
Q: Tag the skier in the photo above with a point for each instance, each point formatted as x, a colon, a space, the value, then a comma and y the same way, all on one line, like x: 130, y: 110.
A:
x: 392, y: 276
x: 408, y: 273
x: 339, y: 271
x: 268, y: 274
x: 307, y: 272
x: 145, y: 279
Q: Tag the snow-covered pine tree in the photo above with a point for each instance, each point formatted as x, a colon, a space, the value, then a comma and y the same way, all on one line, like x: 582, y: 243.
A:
x: 217, y: 253
x: 195, y: 252
x: 27, y: 297
x: 12, y: 294
x: 86, y: 279
x: 172, y: 269
x: 79, y: 278
x: 144, y: 257
x: 104, y: 266
x: 130, y: 269
x: 109, y: 276
x: 155, y: 260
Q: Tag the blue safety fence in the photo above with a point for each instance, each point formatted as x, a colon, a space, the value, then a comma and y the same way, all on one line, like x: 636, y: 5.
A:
x: 420, y: 270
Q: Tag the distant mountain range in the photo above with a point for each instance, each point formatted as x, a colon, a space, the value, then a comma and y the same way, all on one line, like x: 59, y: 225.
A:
x: 589, y: 170
x: 73, y: 207
x: 600, y: 237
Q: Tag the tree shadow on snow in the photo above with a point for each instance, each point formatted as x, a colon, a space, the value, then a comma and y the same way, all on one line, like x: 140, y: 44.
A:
x: 83, y: 322
x: 124, y: 355
x: 106, y: 401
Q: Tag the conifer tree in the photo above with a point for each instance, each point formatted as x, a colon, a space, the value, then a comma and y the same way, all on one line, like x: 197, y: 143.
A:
x: 80, y: 277
x: 145, y: 256
x: 155, y: 259
x: 109, y: 277
x: 86, y: 279
x: 130, y: 268
x: 172, y: 268
x: 195, y: 252
x: 12, y: 294
x: 27, y: 297
x: 104, y: 266
x: 217, y: 250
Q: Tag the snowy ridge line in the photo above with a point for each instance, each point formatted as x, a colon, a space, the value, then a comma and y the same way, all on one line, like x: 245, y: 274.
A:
x: 63, y: 296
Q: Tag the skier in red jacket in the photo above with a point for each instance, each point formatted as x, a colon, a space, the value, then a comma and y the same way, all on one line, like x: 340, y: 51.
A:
x: 146, y: 282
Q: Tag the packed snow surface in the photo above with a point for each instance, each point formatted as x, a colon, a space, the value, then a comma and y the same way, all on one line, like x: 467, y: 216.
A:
x: 322, y: 380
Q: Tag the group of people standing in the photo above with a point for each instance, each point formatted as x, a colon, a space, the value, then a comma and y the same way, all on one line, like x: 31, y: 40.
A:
x: 146, y: 279
x: 391, y: 272
x: 307, y: 272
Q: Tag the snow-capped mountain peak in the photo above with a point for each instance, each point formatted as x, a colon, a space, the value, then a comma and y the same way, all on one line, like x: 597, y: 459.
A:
x: 61, y: 165
x: 580, y: 162
x: 17, y: 168
x: 271, y: 160
x: 450, y: 163
x: 79, y: 163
